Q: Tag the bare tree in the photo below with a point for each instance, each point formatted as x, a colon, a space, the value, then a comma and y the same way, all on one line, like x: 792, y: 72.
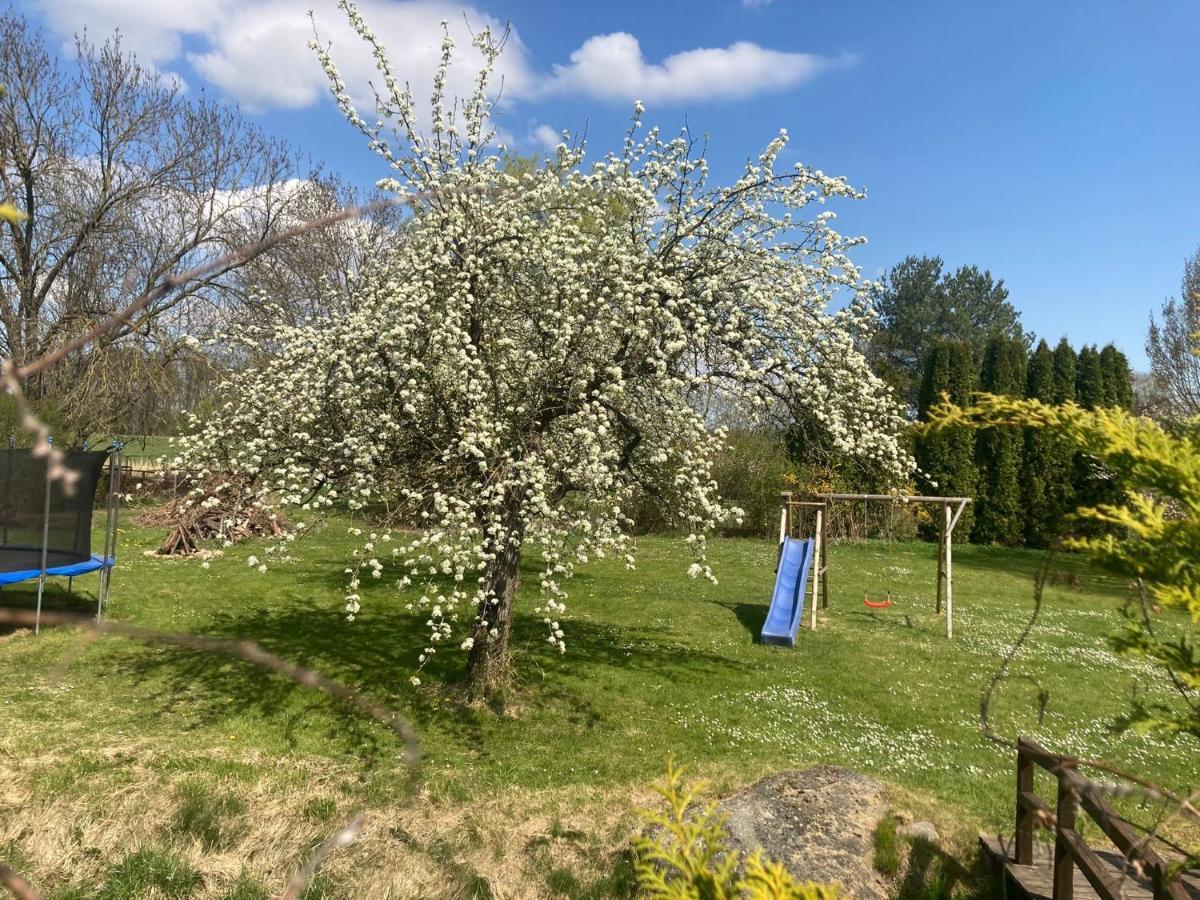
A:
x: 313, y: 277
x: 124, y: 179
x: 1171, y: 345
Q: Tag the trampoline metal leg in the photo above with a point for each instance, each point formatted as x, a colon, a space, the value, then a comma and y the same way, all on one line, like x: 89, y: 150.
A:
x: 37, y: 620
x: 102, y: 592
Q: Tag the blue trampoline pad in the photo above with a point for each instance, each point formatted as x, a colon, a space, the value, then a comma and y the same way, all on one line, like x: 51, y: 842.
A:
x: 77, y: 568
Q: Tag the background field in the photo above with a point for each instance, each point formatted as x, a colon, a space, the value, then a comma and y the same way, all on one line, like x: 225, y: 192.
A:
x: 120, y: 761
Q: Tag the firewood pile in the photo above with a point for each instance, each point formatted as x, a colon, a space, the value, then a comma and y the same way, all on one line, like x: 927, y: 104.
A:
x: 220, y: 508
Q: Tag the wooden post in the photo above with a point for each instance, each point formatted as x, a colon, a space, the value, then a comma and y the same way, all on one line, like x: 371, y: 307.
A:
x: 817, y: 550
x: 941, y: 572
x: 824, y: 560
x: 948, y: 542
x: 1024, y: 831
x: 1064, y: 865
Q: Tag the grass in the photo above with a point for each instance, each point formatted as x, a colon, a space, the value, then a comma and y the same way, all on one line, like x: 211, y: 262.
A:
x: 888, y: 856
x: 235, y: 774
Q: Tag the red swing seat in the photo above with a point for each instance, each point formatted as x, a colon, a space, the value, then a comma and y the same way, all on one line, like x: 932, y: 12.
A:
x: 877, y: 604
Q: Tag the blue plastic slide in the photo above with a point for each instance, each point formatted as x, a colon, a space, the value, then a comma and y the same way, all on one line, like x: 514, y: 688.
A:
x: 787, y: 604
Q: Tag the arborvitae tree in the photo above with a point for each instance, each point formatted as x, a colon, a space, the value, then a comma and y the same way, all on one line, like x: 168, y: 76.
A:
x: 998, y: 451
x: 1091, y: 484
x: 1089, y: 380
x: 1064, y: 372
x: 1039, y: 465
x: 948, y: 457
x: 1118, y: 378
x: 1061, y: 466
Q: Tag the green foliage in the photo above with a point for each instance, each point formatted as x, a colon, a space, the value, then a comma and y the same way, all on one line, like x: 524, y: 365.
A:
x: 1151, y: 538
x: 47, y: 411
x: 751, y: 470
x: 999, y: 513
x: 687, y: 856
x: 947, y: 458
x: 920, y: 304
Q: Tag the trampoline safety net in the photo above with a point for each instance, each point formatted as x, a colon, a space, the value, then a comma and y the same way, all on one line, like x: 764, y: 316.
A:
x: 23, y: 507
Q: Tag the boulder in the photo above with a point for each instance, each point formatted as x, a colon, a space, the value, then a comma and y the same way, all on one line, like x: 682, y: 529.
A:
x: 819, y: 823
x: 920, y: 831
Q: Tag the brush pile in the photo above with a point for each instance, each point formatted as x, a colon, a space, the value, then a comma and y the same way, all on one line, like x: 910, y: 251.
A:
x: 221, y: 508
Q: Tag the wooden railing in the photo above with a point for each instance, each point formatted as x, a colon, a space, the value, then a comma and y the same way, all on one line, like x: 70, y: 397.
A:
x: 1070, y: 849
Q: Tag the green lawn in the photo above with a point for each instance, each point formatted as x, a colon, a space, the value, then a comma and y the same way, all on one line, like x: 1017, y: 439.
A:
x: 209, y: 778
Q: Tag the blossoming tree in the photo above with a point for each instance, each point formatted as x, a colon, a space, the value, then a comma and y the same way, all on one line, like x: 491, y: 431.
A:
x: 539, y: 349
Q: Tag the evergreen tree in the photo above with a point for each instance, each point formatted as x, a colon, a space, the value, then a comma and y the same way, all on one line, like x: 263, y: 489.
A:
x: 1039, y: 464
x: 1090, y: 482
x: 1089, y: 380
x: 1065, y: 364
x: 920, y: 303
x: 998, y: 451
x: 1063, y: 468
x: 1118, y: 378
x: 947, y: 457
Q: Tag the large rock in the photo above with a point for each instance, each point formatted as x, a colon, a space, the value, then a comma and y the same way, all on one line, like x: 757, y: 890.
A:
x: 819, y: 823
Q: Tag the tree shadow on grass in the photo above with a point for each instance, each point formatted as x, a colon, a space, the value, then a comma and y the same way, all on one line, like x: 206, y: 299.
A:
x: 932, y: 874
x: 377, y: 654
x: 55, y: 598
x: 750, y: 616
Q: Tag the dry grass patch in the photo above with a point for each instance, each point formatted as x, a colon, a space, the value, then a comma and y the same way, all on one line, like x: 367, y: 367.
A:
x: 134, y: 808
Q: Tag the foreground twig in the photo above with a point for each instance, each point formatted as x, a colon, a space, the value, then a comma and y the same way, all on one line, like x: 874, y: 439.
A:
x: 341, y: 838
x: 1001, y: 673
x: 18, y: 886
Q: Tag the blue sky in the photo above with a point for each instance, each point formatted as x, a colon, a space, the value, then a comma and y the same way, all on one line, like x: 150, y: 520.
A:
x: 1056, y: 144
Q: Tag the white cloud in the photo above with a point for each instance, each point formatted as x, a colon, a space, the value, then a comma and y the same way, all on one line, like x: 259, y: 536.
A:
x: 544, y: 137
x: 256, y: 51
x: 260, y: 54
x: 154, y: 29
x: 756, y: 4
x: 612, y: 66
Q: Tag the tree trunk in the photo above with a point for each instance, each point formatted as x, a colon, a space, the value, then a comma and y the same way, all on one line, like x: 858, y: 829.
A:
x: 489, y: 662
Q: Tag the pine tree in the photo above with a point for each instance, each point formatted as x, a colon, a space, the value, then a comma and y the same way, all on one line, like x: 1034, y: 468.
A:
x: 998, y: 451
x: 1039, y: 463
x: 1118, y: 378
x: 948, y: 457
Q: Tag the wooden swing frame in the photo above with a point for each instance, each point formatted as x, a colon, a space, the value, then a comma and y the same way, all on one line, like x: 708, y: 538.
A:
x: 952, y: 510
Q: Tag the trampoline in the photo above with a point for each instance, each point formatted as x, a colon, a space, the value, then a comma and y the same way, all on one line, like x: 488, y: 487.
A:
x: 46, y: 530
